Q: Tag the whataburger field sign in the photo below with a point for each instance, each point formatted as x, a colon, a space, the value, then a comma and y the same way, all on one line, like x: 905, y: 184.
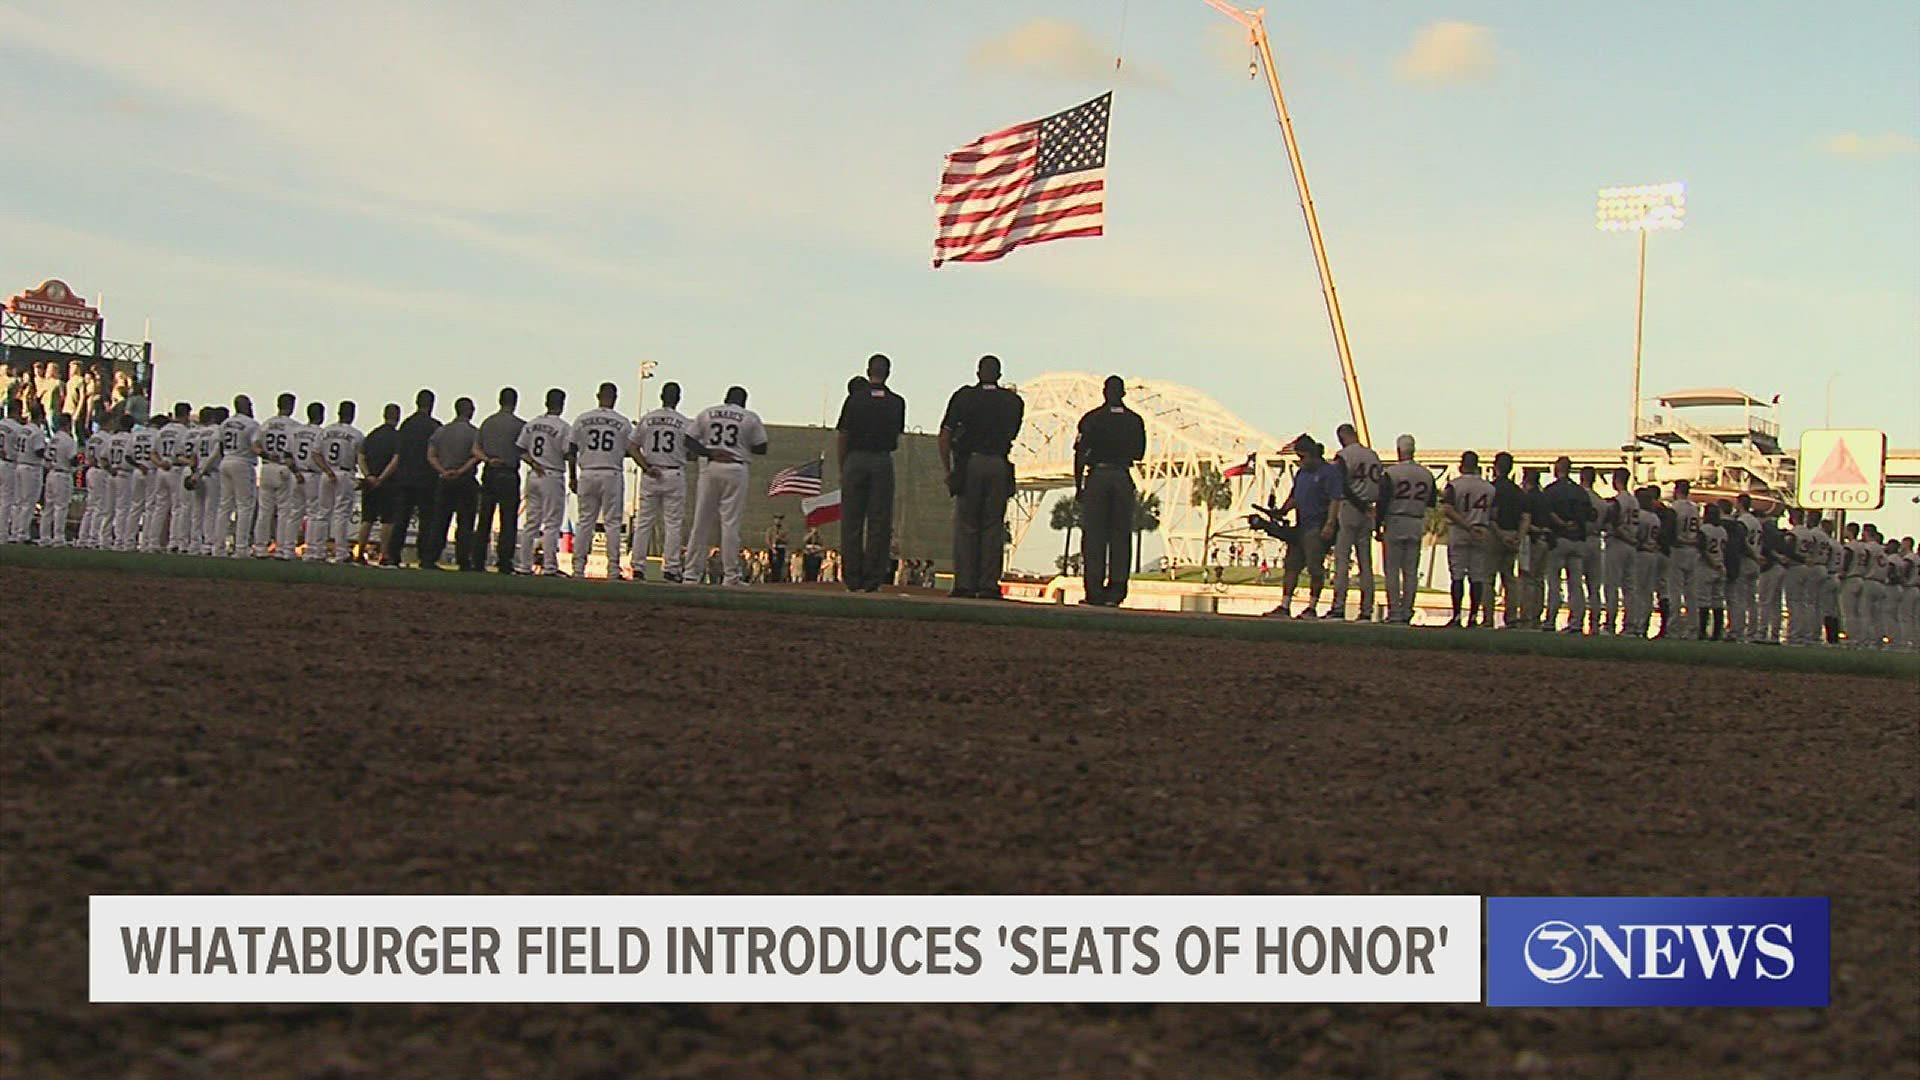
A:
x: 1842, y: 469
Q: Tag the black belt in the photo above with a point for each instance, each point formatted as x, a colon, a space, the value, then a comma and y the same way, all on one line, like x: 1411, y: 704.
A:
x: 1110, y: 465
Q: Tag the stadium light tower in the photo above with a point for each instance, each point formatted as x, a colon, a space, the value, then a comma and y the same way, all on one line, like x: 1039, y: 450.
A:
x: 1643, y: 209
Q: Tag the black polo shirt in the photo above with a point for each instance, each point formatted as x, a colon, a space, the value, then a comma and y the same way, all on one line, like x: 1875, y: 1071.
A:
x: 380, y: 447
x: 1567, y: 501
x: 873, y: 419
x: 1111, y: 435
x: 1509, y: 504
x: 416, y: 432
x: 984, y: 419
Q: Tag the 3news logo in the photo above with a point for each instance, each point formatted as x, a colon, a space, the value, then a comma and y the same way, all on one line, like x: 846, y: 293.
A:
x: 1650, y: 950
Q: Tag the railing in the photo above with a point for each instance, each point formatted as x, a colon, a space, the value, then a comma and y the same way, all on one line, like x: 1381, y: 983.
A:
x: 1719, y: 453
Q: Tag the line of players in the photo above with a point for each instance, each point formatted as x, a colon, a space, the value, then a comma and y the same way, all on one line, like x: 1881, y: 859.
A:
x: 1714, y: 571
x: 221, y: 483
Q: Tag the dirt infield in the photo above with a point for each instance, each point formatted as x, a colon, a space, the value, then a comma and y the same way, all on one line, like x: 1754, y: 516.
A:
x: 352, y: 740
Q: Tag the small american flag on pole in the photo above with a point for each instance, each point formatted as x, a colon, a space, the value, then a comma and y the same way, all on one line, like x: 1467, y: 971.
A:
x: 802, y: 480
x: 1041, y: 180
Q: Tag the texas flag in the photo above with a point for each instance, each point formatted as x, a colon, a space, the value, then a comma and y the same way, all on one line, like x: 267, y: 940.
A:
x: 822, y: 509
x: 1245, y: 468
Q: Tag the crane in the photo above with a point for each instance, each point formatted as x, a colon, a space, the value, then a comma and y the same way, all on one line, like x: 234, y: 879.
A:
x: 1254, y: 20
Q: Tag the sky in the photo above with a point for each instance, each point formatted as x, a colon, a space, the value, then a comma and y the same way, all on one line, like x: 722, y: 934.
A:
x: 356, y: 200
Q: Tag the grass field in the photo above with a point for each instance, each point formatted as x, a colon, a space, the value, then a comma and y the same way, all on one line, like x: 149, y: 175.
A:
x: 832, y: 603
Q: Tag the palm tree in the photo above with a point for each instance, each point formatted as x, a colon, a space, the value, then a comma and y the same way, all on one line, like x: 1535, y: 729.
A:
x: 1066, y: 517
x: 1146, y: 519
x: 1214, y: 492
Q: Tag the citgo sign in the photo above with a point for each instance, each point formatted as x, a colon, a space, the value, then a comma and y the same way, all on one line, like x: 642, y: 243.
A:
x: 1842, y: 469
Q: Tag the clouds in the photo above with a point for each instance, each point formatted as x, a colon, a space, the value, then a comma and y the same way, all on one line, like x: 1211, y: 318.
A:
x: 1448, y: 52
x: 1058, y: 49
x: 1852, y: 144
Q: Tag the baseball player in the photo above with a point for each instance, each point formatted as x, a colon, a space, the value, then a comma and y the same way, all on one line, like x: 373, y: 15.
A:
x: 1361, y: 475
x: 1855, y: 560
x: 661, y: 440
x: 11, y: 426
x: 1683, y: 568
x: 1466, y: 502
x: 306, y: 479
x: 543, y: 446
x: 725, y: 435
x: 125, y: 510
x: 165, y: 492
x: 1592, y: 558
x: 1568, y: 516
x: 239, y: 491
x: 29, y: 453
x: 205, y: 497
x: 336, y: 461
x: 1804, y: 574
x: 602, y: 442
x: 1406, y: 494
x: 1776, y: 553
x: 1879, y: 615
x: 1712, y: 575
x: 1620, y: 523
x: 1830, y: 581
x: 1910, y: 594
x: 63, y: 456
x: 99, y: 478
x: 1648, y: 569
x: 279, y: 509
x: 145, y: 455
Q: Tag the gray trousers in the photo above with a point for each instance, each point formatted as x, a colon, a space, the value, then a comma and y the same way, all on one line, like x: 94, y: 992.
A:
x: 1766, y: 616
x: 1617, y: 582
x: 1592, y: 569
x: 1403, y: 576
x: 866, y: 517
x: 1742, y: 593
x: 979, y: 515
x: 1567, y: 558
x: 1106, y: 533
x: 1353, y: 539
x: 1683, y: 592
x: 1646, y: 574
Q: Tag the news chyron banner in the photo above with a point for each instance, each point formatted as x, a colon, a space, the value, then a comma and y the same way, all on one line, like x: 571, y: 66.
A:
x: 1842, y: 469
x: 263, y: 949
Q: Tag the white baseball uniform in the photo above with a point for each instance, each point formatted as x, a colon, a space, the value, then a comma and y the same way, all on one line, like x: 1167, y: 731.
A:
x: 120, y: 457
x: 1712, y: 573
x: 280, y: 504
x: 728, y: 433
x: 660, y: 438
x: 206, y: 492
x: 544, y: 440
x: 163, y: 488
x: 306, y: 481
x: 1621, y: 523
x: 1593, y: 557
x: 1855, y: 559
x: 601, y: 438
x: 1683, y: 569
x: 239, y: 491
x: 62, y: 458
x: 1646, y: 572
x: 1361, y: 474
x: 1803, y: 585
x: 99, y: 505
x: 29, y: 452
x: 338, y: 449
x: 1410, y: 493
x: 1743, y: 583
x: 1471, y: 497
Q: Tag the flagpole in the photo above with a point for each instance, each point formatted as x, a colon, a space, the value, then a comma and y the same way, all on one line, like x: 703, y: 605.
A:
x: 1254, y: 20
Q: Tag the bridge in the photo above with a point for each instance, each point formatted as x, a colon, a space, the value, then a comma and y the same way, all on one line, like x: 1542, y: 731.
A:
x: 1189, y: 432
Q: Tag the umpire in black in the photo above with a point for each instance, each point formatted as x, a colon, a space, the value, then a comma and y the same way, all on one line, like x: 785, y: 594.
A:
x: 870, y: 424
x: 976, y: 435
x: 1112, y: 438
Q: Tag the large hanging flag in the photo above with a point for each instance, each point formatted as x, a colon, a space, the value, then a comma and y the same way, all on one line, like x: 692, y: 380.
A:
x: 1041, y: 180
x: 1245, y: 468
x: 802, y: 480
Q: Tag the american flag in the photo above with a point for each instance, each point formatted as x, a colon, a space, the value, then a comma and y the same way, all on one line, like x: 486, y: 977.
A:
x: 802, y: 480
x: 1042, y: 180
